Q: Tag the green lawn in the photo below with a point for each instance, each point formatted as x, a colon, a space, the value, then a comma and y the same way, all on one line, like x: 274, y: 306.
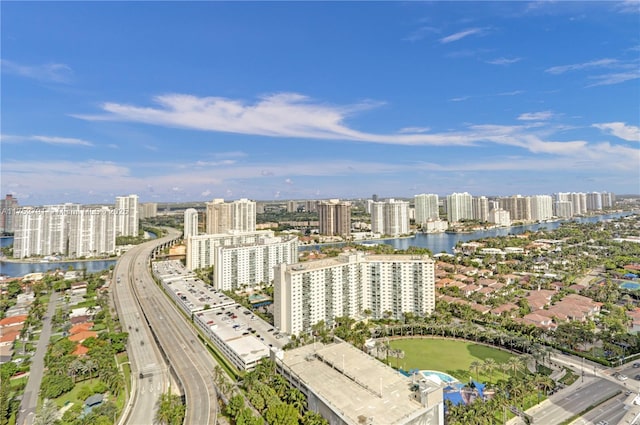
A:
x: 449, y: 356
x: 72, y: 395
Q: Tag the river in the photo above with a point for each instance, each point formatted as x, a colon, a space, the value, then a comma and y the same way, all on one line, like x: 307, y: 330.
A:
x: 444, y: 242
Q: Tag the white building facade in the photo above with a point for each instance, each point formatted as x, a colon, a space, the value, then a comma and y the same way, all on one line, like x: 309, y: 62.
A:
x: 426, y: 206
x: 459, y: 207
x: 350, y: 284
x: 250, y: 265
x: 126, y: 209
x: 390, y: 217
x: 224, y: 216
x: 190, y: 222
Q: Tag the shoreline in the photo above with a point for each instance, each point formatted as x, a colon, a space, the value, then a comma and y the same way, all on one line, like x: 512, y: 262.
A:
x: 12, y: 261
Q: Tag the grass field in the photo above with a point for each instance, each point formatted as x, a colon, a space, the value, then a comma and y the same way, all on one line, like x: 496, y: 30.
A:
x: 450, y: 356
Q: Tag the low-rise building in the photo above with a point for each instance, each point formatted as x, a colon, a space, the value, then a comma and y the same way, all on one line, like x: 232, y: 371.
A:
x: 347, y: 386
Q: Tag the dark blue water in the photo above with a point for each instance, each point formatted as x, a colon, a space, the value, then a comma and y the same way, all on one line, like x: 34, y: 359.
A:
x: 444, y: 242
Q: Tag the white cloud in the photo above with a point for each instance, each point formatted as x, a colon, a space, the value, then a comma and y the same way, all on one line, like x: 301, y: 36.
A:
x: 504, y: 61
x: 614, y: 78
x: 459, y: 99
x: 51, y: 140
x: 600, y: 63
x: 414, y: 130
x: 621, y: 130
x: 510, y: 93
x: 628, y: 6
x: 460, y: 35
x: 50, y: 72
x: 295, y: 116
x: 536, y: 116
x: 420, y: 33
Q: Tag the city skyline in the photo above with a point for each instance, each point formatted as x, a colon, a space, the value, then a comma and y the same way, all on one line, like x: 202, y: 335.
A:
x: 318, y: 100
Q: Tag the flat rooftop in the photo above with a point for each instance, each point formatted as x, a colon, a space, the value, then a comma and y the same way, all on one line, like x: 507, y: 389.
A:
x: 342, y: 259
x: 184, y: 283
x: 354, y: 383
x: 242, y: 331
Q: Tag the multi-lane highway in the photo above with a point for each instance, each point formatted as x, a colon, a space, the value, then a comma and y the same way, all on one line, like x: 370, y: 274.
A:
x: 144, y: 355
x: 187, y: 356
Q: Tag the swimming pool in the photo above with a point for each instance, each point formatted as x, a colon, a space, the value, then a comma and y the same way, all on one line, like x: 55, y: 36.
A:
x: 630, y: 285
x: 444, y: 377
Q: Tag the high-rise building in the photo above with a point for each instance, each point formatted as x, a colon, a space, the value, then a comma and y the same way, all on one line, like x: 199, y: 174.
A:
x: 190, y: 223
x: 147, y: 210
x: 594, y: 201
x: 350, y: 284
x: 239, y: 216
x: 519, y: 207
x: 8, y: 207
x: 480, y: 207
x: 500, y: 217
x: 390, y: 217
x: 43, y: 231
x: 579, y: 202
x: 92, y: 232
x: 334, y: 217
x: 563, y: 209
x: 459, y: 207
x: 249, y: 265
x: 541, y: 207
x: 240, y: 258
x: 426, y: 206
x: 126, y: 212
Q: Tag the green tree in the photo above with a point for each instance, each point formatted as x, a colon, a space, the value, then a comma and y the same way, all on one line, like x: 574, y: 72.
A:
x: 281, y: 414
x: 48, y: 414
x: 235, y: 406
x: 170, y: 410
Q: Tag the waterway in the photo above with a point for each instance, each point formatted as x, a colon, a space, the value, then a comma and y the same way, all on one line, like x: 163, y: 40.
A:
x: 435, y: 242
x: 445, y: 242
x: 20, y: 269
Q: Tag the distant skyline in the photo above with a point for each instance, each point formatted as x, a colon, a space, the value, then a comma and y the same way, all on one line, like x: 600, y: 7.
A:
x: 180, y: 102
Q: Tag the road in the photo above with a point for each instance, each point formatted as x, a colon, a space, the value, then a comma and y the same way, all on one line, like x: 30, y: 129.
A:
x: 29, y: 403
x: 187, y: 355
x: 144, y: 354
x: 571, y: 401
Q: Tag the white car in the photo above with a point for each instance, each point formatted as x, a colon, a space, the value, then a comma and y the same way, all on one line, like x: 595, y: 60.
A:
x: 622, y: 377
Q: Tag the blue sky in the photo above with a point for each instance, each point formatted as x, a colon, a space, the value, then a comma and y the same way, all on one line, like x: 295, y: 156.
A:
x: 268, y: 100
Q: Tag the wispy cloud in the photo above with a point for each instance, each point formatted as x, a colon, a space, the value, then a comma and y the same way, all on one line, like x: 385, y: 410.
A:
x: 291, y: 115
x: 628, y: 6
x: 536, y: 116
x: 614, y: 78
x: 600, y: 63
x: 50, y: 72
x: 630, y: 133
x: 503, y: 61
x: 51, y: 140
x: 511, y: 93
x: 460, y: 35
x: 414, y: 130
x: 459, y: 99
x: 421, y: 33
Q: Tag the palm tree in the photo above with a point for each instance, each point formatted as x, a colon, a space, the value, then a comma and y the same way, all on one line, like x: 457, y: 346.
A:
x: 91, y: 367
x: 296, y: 398
x: 475, y: 367
x: 489, y: 366
x: 515, y: 365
